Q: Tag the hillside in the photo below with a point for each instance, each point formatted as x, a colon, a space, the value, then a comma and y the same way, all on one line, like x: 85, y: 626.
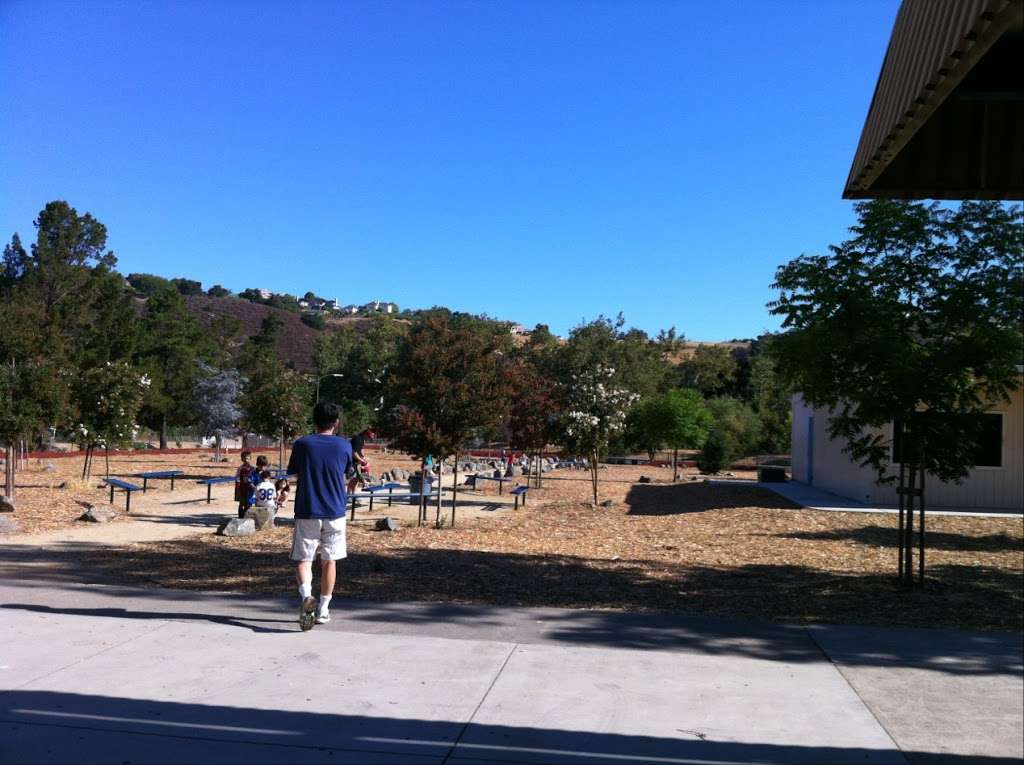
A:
x: 297, y: 340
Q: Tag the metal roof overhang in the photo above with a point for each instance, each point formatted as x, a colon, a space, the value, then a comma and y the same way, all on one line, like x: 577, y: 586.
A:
x: 947, y: 117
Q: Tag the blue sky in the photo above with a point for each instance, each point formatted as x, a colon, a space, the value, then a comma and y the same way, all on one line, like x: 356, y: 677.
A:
x: 541, y: 161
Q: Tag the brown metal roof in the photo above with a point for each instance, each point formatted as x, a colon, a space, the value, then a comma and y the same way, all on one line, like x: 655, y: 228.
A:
x: 977, y: 151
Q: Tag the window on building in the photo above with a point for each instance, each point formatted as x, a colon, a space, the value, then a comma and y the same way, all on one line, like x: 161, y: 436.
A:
x: 989, y: 452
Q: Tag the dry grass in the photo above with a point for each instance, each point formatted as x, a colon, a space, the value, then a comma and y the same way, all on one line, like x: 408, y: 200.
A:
x: 691, y: 547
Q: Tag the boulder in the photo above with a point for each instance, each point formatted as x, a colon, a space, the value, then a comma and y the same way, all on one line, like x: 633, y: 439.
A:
x: 387, y: 523
x: 261, y: 516
x: 237, y: 527
x: 99, y: 514
x: 7, y: 525
x: 6, y: 505
x: 644, y: 479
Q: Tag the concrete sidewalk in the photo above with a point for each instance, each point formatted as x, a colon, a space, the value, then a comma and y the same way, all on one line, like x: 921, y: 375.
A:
x: 105, y: 673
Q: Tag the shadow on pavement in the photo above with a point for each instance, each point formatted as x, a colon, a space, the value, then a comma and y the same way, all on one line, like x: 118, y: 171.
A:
x: 48, y: 726
x: 132, y: 613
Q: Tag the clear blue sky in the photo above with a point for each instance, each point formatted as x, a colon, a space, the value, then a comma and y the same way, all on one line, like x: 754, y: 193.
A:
x: 537, y: 160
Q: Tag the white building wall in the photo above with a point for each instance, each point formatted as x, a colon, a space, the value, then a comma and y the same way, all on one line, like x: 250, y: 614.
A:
x: 819, y: 461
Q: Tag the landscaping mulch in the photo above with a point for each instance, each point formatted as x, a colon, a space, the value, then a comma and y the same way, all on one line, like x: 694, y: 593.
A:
x: 694, y: 547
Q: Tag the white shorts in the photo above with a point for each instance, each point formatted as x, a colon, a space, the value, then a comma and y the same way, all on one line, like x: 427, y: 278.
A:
x: 326, y: 535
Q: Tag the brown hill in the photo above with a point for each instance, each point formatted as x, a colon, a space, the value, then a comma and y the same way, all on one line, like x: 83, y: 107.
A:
x: 296, y: 346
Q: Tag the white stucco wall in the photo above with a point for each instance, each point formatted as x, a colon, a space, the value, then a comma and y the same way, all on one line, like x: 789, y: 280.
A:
x: 819, y: 461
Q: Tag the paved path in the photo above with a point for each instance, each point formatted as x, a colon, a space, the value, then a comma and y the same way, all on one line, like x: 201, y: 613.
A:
x: 106, y: 673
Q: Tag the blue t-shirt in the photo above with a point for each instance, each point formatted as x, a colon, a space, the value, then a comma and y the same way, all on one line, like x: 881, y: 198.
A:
x: 319, y: 463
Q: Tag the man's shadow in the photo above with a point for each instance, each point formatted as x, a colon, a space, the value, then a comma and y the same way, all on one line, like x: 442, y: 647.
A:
x: 124, y: 613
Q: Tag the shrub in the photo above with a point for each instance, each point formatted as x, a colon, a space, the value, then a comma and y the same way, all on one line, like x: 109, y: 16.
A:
x: 720, y: 450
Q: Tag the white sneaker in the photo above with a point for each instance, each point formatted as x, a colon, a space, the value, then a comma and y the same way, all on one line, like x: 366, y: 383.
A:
x: 323, y: 617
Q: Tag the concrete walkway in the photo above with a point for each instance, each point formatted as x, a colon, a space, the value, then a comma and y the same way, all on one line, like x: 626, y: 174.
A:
x: 103, y: 673
x: 818, y: 499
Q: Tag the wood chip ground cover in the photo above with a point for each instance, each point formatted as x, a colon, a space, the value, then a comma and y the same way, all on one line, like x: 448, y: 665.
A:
x: 691, y: 547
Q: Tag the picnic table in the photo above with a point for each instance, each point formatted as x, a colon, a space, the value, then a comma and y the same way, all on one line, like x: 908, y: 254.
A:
x: 501, y: 481
x: 154, y: 474
x: 370, y: 494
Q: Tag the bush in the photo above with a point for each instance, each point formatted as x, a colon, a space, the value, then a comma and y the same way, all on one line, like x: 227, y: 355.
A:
x: 314, y: 320
x: 720, y: 450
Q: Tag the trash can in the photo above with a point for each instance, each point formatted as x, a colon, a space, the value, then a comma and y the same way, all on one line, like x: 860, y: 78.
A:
x: 771, y: 473
x: 416, y: 484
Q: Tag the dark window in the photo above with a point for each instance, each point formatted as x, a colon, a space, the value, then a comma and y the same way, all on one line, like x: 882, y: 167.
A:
x: 990, y: 440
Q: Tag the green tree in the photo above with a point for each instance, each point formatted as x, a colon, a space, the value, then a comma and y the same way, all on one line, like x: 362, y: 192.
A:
x: 771, y: 399
x: 188, y: 286
x: 735, y: 432
x: 32, y: 395
x: 148, y: 285
x: 916, y: 319
x: 276, y: 402
x: 218, y: 291
x: 363, y: 355
x: 172, y: 343
x: 712, y: 369
x: 676, y: 419
x: 447, y: 381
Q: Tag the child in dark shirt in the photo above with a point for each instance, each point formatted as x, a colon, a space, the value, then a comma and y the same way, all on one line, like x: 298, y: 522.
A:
x: 243, y: 483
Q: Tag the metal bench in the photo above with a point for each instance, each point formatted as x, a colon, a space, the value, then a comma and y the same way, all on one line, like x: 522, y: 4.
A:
x: 127, y: 488
x: 209, y: 482
x: 520, y: 492
x: 370, y: 495
x: 154, y: 474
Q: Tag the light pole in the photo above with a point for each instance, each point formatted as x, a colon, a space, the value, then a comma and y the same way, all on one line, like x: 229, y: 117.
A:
x: 324, y: 377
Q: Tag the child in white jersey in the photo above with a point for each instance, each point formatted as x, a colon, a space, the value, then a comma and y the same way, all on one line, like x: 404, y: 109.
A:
x: 266, y: 495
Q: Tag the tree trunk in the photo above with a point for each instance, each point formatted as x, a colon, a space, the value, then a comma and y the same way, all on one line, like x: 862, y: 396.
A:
x: 593, y: 475
x: 106, y: 457
x: 920, y: 535
x: 440, y: 489
x: 421, y: 514
x: 9, y: 472
x: 902, y: 497
x: 455, y: 486
x: 280, y: 451
x: 675, y: 465
x: 163, y: 433
x: 908, y: 539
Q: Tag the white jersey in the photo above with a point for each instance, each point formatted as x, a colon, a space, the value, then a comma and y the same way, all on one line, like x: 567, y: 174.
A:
x: 266, y: 496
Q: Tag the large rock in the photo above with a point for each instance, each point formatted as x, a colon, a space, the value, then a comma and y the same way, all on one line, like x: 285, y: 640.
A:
x: 6, y: 505
x: 399, y: 474
x: 237, y: 527
x: 261, y: 516
x: 387, y: 523
x: 99, y: 514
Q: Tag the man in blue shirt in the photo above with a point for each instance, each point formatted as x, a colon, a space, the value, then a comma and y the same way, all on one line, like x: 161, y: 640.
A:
x: 319, y: 463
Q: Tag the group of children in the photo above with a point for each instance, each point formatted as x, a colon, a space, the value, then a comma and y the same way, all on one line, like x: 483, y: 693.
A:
x: 254, y: 487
